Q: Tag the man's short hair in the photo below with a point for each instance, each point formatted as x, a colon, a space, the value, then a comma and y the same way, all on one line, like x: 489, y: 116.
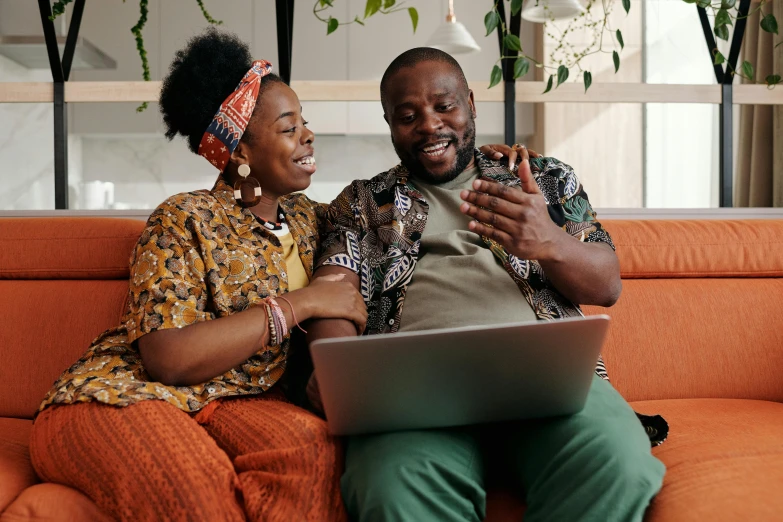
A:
x: 415, y: 56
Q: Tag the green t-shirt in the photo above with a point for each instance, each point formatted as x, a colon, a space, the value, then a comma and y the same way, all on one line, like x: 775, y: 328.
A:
x: 457, y: 281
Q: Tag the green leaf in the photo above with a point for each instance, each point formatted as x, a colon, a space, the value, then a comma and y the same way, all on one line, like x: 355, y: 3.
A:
x: 491, y: 21
x: 549, y: 84
x: 512, y: 42
x: 372, y: 7
x: 722, y: 18
x: 722, y: 32
x: 332, y: 25
x: 627, y: 5
x: 588, y: 80
x: 620, y: 39
x: 773, y: 79
x: 521, y: 67
x: 516, y: 6
x: 325, y: 3
x: 495, y: 77
x: 727, y: 4
x: 414, y: 17
x: 719, y: 58
x: 388, y: 4
x: 747, y: 69
x: 358, y: 21
x: 703, y: 3
x: 770, y: 24
x: 562, y: 74
x: 616, y: 59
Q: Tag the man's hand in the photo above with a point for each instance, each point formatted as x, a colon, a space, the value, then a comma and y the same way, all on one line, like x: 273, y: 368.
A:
x: 498, y: 151
x: 517, y: 218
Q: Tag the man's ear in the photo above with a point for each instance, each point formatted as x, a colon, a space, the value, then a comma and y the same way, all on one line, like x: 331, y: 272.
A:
x: 241, y: 154
x: 471, y: 103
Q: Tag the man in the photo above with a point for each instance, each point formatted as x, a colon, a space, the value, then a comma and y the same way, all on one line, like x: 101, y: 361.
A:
x: 432, y: 243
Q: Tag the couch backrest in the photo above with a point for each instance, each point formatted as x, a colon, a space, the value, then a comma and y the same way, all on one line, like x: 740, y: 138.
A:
x: 62, y: 282
x: 700, y: 313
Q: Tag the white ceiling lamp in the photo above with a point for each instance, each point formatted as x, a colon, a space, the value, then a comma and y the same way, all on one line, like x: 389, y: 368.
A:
x: 541, y: 11
x: 452, y: 37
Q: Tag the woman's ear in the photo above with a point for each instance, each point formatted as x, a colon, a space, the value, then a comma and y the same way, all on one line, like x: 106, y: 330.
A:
x: 241, y: 154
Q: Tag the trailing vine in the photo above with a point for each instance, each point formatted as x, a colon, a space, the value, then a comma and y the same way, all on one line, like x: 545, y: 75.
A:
x: 372, y: 7
x: 58, y: 8
x: 566, y: 57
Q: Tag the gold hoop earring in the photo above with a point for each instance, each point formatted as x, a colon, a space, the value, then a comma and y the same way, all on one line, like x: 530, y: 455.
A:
x: 243, y: 182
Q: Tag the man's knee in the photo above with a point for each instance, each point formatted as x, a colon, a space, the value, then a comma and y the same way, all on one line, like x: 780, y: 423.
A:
x: 383, y: 484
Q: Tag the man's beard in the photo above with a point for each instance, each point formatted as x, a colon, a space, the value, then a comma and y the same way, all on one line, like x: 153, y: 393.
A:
x: 465, y: 149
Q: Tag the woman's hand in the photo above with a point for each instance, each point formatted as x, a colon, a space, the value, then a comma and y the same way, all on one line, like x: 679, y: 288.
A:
x: 499, y: 151
x: 330, y: 297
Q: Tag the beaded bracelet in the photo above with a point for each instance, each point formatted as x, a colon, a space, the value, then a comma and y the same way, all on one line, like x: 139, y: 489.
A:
x: 271, y: 325
x: 277, y: 319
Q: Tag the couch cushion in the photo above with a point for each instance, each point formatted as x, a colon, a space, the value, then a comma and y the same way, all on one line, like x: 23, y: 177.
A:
x: 67, y: 248
x: 698, y: 248
x: 50, y: 324
x: 696, y: 338
x: 16, y: 472
x: 53, y: 503
x: 724, y: 460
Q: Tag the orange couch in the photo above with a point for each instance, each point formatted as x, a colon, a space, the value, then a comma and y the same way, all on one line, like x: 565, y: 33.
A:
x: 697, y: 336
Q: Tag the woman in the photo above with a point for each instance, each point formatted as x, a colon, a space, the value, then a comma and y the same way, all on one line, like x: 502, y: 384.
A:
x: 178, y: 413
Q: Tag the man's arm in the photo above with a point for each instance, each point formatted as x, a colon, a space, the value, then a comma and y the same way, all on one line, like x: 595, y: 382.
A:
x: 583, y: 272
x: 328, y: 328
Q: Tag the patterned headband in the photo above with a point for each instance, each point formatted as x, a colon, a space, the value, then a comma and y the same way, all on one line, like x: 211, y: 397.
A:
x: 229, y: 124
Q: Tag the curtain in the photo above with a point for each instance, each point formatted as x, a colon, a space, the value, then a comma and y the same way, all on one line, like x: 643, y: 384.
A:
x: 759, y: 175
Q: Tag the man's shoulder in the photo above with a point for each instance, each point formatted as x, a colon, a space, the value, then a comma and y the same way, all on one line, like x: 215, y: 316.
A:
x: 550, y: 166
x: 377, y: 185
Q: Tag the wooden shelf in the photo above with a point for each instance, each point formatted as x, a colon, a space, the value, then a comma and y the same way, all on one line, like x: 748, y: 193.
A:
x: 345, y: 91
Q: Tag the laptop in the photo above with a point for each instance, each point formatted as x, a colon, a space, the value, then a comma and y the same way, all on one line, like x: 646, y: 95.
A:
x: 457, y: 376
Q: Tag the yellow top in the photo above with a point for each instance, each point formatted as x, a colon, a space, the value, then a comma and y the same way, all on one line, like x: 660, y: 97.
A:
x: 297, y: 277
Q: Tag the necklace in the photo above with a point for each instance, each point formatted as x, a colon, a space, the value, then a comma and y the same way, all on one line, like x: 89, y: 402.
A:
x: 273, y: 225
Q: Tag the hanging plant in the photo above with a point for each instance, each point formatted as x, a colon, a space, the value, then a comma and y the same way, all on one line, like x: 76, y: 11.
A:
x: 372, y: 7
x: 565, y: 57
x: 58, y: 8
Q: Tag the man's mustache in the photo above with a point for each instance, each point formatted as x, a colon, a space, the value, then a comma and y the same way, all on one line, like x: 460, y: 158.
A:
x: 437, y: 137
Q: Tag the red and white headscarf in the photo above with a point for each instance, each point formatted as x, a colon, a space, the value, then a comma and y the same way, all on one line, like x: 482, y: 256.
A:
x: 229, y: 124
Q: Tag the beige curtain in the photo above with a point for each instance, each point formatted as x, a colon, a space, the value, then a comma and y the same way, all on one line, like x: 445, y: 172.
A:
x: 759, y: 175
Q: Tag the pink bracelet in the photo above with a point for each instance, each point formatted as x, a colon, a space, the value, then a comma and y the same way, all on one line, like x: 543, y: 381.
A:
x: 293, y: 313
x: 278, y: 316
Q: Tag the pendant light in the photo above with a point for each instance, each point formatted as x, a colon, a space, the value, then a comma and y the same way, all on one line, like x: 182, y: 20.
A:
x: 541, y: 11
x: 452, y: 37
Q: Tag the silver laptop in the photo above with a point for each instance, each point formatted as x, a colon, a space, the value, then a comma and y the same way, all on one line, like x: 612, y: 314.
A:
x: 457, y: 376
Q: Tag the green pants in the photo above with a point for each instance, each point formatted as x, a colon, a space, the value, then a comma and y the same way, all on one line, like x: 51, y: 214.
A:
x: 595, y: 465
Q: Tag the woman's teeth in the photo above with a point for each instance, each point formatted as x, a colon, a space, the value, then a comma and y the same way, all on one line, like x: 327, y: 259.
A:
x: 308, y: 160
x: 436, y: 150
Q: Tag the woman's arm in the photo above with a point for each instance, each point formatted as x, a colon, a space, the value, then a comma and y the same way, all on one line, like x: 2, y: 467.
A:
x: 200, y: 352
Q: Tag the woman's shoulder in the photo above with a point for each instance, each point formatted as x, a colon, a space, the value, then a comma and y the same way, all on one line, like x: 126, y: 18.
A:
x: 201, y: 204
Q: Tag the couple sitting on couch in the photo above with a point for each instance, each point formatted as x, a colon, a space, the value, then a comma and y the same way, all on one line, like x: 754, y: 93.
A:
x: 181, y: 412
